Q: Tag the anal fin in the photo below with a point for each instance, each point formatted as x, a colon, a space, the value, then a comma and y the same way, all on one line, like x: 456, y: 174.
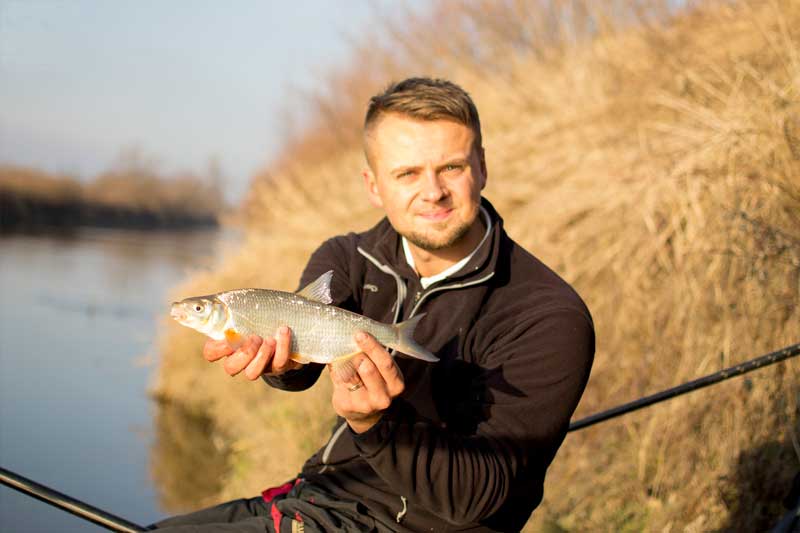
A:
x: 343, y: 367
x: 299, y: 358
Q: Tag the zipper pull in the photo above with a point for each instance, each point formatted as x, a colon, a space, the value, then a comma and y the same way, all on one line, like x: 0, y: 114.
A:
x: 417, y: 296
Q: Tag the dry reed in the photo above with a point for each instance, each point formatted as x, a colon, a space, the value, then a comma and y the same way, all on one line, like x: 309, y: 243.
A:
x: 654, y: 162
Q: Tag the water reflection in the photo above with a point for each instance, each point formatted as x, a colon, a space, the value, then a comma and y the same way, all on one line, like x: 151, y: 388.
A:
x: 187, y: 462
x: 77, y: 319
x: 119, y: 310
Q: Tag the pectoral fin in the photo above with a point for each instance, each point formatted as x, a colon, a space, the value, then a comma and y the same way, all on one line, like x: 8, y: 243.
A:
x: 234, y: 338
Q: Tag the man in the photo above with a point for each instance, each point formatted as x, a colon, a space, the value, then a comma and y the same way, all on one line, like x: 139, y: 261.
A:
x: 458, y: 445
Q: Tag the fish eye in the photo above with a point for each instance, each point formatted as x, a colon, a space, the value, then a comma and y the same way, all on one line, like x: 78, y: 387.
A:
x: 198, y: 307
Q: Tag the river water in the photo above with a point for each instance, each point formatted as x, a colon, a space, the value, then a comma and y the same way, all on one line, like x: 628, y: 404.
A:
x: 79, y: 316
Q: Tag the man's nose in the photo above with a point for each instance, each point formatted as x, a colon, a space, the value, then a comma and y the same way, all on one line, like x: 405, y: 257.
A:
x: 433, y: 188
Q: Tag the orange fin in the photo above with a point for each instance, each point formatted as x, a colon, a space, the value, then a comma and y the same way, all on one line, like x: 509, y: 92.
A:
x: 233, y: 338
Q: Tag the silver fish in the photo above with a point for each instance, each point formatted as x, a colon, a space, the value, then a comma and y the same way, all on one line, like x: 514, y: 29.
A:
x: 321, y: 333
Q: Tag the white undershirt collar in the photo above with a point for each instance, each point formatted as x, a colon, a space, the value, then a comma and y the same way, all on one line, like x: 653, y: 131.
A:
x: 430, y: 280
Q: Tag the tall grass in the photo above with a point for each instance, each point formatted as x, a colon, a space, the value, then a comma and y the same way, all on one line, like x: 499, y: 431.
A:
x: 653, y: 159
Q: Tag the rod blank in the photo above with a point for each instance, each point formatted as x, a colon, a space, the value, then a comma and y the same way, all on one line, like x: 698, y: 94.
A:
x: 66, y: 503
x: 115, y: 523
x: 741, y: 368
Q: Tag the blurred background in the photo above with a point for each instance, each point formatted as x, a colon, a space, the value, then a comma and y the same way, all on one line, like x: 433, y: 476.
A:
x: 127, y: 130
x: 191, y: 87
x: 647, y: 150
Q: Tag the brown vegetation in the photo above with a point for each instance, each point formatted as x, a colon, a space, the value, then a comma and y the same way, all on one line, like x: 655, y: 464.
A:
x: 655, y: 164
x: 130, y: 195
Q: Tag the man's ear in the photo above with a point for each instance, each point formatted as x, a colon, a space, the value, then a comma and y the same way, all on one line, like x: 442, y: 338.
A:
x: 482, y: 159
x: 372, y: 187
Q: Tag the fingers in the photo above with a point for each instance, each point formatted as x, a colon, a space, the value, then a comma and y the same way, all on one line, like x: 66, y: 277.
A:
x: 373, y: 385
x: 255, y: 356
x: 361, y: 397
x: 239, y: 359
x: 215, y: 350
x: 281, y: 362
x: 258, y: 365
x: 383, y: 367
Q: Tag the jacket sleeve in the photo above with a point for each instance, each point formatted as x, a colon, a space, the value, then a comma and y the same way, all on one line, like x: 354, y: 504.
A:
x: 331, y: 255
x: 541, y: 366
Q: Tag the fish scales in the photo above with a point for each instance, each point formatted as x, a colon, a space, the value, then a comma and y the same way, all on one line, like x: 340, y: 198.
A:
x: 320, y: 332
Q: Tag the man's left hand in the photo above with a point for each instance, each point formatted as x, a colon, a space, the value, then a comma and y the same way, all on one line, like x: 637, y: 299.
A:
x: 378, y: 380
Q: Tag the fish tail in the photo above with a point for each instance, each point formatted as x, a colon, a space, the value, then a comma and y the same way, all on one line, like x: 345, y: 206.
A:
x: 406, y: 343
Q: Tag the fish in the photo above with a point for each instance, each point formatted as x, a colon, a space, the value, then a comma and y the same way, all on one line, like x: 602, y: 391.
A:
x: 321, y: 332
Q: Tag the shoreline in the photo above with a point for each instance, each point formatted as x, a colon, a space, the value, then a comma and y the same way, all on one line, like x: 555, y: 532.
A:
x: 21, y: 213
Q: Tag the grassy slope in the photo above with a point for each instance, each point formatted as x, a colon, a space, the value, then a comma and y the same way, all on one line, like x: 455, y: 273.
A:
x: 657, y: 170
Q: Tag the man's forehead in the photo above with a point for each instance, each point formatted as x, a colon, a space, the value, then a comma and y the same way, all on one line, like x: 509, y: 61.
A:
x: 397, y: 133
x: 396, y: 140
x: 392, y: 120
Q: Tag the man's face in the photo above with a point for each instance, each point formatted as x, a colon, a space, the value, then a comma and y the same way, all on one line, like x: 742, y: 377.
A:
x: 427, y: 177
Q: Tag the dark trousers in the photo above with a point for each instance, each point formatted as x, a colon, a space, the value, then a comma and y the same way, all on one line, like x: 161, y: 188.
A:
x: 246, y: 515
x: 301, y: 508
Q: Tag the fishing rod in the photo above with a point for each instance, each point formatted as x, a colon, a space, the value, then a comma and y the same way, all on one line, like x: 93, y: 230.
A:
x: 722, y: 375
x: 66, y: 503
x: 115, y: 523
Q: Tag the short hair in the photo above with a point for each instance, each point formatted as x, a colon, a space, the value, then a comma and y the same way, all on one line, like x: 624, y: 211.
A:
x: 426, y: 99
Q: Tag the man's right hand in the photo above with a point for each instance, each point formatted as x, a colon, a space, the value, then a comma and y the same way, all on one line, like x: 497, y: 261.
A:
x: 256, y: 356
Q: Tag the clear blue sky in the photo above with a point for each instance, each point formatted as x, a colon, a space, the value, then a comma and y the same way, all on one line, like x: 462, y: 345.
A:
x: 184, y: 81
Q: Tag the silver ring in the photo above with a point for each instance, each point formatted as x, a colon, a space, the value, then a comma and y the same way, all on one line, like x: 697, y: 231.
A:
x: 353, y: 388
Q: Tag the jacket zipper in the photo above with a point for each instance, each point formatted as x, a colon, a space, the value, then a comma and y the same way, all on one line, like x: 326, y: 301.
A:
x: 419, y: 298
x: 401, y: 295
x: 327, y: 453
x: 401, y: 285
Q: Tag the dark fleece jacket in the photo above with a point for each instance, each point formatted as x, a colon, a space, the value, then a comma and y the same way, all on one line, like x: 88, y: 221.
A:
x: 467, y: 444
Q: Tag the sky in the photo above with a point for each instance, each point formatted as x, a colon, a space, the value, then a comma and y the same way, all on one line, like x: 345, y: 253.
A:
x: 179, y: 81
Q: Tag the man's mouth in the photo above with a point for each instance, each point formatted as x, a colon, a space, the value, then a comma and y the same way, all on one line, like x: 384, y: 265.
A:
x: 436, y: 215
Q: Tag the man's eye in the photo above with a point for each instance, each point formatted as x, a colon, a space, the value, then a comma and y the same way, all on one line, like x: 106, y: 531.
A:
x: 452, y: 168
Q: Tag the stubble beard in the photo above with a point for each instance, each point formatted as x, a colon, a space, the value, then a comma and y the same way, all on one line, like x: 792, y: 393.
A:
x: 430, y: 244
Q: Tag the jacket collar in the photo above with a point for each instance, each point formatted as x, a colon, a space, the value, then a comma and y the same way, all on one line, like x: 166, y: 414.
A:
x: 387, y: 248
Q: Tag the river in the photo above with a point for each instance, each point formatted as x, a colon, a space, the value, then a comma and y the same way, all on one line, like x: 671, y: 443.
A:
x: 79, y: 316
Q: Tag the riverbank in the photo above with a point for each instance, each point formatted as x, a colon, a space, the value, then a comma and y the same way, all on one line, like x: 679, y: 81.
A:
x: 31, y: 214
x: 33, y: 201
x: 654, y: 165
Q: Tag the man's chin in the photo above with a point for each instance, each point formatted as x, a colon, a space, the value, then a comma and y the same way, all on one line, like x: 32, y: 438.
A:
x: 433, y: 242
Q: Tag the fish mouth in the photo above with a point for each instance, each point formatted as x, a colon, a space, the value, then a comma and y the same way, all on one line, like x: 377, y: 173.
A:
x: 177, y: 313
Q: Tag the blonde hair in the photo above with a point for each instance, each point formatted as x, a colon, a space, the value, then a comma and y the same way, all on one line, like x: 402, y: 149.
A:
x: 425, y: 99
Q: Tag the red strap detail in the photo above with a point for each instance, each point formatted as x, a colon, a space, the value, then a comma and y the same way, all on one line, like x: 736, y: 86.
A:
x: 276, y: 515
x: 271, y: 493
x: 297, y: 517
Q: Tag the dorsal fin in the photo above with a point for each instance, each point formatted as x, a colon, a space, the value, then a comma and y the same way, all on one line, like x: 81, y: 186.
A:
x: 320, y: 289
